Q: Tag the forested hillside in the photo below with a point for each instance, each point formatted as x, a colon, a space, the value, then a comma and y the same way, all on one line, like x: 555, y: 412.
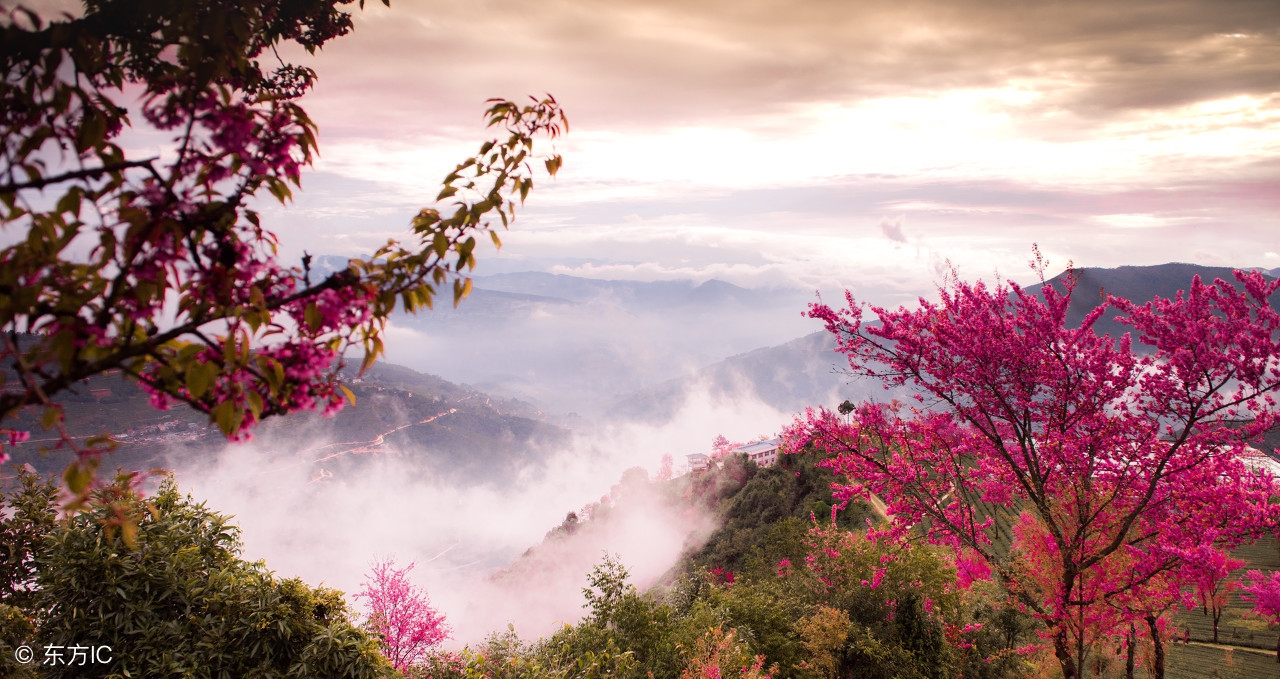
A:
x: 455, y: 430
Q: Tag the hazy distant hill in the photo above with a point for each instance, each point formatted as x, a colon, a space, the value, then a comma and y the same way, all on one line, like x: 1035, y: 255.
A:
x: 629, y: 294
x: 573, y: 344
x: 627, y: 349
x: 789, y: 377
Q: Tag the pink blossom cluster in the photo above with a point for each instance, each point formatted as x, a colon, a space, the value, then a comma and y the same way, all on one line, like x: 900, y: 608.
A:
x: 720, y: 574
x: 1263, y: 591
x: 10, y: 438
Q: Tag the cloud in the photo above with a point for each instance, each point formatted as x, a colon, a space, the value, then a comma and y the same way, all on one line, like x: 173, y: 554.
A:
x: 892, y: 230
x: 327, y: 528
x: 995, y: 123
x: 657, y: 62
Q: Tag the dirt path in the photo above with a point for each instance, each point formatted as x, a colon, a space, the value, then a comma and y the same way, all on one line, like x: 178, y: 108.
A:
x: 1249, y: 649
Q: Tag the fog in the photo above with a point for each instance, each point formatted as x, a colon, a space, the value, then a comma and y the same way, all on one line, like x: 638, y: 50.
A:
x: 572, y: 345
x: 327, y: 529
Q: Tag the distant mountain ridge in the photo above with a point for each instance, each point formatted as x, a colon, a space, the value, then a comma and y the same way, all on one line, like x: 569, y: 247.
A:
x: 1137, y: 284
x: 572, y: 344
x: 498, y: 290
x: 643, y: 294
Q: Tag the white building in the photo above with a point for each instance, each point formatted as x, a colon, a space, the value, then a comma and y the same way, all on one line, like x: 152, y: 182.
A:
x: 764, y: 453
x: 698, y: 462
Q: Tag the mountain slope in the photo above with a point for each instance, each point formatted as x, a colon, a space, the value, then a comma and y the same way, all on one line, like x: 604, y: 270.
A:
x: 455, y: 430
x: 1135, y: 283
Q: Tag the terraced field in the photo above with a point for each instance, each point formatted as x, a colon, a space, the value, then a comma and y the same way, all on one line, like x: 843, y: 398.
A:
x: 1208, y: 662
x: 1237, y: 628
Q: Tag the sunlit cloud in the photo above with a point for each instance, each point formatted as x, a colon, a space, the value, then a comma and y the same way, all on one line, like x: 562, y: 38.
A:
x: 763, y: 130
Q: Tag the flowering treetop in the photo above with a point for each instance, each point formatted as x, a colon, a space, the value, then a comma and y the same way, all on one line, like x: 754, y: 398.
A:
x: 401, y: 614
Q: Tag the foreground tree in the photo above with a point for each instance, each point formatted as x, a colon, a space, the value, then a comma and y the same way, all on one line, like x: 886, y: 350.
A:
x: 1120, y: 462
x: 156, y: 265
x: 176, y: 600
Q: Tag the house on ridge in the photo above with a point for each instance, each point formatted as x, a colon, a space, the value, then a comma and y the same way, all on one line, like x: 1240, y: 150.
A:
x: 698, y: 462
x: 764, y: 453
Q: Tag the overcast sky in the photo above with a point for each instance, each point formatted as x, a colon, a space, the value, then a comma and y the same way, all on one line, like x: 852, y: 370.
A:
x: 818, y: 142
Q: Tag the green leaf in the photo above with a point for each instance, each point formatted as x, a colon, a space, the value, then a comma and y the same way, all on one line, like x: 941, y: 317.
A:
x: 52, y: 415
x: 78, y: 475
x: 312, y: 317
x: 255, y: 403
x: 199, y: 377
x: 70, y: 201
x: 227, y: 416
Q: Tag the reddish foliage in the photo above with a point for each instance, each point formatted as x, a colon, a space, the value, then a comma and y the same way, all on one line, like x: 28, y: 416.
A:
x: 1120, y: 462
x: 1208, y: 570
x: 401, y: 615
x: 722, y: 446
x: 1263, y: 591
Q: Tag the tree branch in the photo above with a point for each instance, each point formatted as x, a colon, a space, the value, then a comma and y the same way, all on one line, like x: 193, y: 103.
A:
x: 77, y: 174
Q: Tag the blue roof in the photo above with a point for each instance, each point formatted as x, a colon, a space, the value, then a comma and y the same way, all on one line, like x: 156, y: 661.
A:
x: 759, y: 447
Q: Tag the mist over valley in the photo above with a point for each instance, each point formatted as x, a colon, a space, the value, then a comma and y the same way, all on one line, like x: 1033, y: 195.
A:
x: 534, y: 399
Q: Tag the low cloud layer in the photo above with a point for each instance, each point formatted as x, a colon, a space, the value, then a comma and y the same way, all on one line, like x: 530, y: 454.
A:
x: 329, y: 530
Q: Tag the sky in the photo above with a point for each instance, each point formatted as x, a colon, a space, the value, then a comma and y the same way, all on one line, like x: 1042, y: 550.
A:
x: 817, y: 144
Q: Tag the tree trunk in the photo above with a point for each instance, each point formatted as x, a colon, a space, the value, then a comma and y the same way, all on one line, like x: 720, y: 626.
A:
x: 1062, y: 650
x: 1128, y: 660
x: 1217, y: 615
x: 1157, y: 664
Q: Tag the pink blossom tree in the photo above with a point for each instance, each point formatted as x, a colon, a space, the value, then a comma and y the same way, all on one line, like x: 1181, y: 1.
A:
x: 1263, y: 591
x: 722, y: 446
x: 1209, y: 571
x: 400, y: 613
x: 158, y: 266
x: 664, y: 468
x: 1119, y: 460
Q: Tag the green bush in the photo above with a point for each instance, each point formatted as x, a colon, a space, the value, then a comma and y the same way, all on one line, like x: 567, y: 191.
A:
x: 166, y: 591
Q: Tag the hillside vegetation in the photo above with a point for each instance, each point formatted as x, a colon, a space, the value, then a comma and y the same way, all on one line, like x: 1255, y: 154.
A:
x: 779, y: 588
x: 454, y: 430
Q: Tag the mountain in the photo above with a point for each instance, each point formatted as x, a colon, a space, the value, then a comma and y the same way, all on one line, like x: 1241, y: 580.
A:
x: 624, y: 349
x: 805, y: 372
x: 1136, y: 283
x: 455, y: 430
x: 631, y: 295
